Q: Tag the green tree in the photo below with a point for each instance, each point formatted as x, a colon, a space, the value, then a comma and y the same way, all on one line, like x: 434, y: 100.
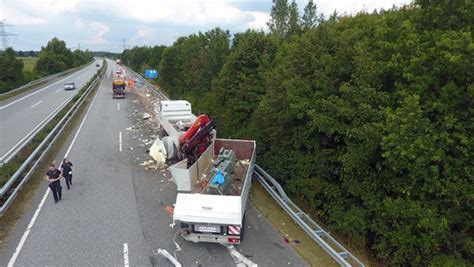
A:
x: 155, y: 56
x: 294, y: 26
x: 240, y: 84
x: 279, y: 17
x: 55, y: 57
x: 11, y: 70
x: 310, y: 16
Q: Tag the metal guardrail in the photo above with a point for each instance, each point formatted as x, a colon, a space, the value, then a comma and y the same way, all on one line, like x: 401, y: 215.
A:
x: 341, y: 255
x: 23, y: 142
x: 10, y: 189
x: 27, y: 139
x: 148, y: 84
x: 45, y: 79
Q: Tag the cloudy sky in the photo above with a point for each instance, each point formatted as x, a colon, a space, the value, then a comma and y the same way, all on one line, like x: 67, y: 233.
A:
x: 105, y: 24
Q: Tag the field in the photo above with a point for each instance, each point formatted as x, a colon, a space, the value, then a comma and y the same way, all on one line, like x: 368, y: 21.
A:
x: 29, y: 63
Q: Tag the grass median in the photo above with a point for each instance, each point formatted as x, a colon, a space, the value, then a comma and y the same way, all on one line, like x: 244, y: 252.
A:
x: 23, y: 200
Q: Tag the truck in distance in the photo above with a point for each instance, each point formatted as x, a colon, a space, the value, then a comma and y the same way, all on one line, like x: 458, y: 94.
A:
x: 118, y: 88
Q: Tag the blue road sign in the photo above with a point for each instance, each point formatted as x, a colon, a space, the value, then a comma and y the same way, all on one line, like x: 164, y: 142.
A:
x: 151, y: 74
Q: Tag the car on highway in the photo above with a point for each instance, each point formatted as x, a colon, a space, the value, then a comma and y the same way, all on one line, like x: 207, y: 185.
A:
x: 69, y: 86
x: 97, y: 65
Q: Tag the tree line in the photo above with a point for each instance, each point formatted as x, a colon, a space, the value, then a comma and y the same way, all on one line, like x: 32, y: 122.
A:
x: 53, y: 58
x: 366, y: 119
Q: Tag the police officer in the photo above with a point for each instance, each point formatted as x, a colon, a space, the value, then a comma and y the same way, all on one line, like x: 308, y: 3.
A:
x: 52, y: 176
x: 66, y: 166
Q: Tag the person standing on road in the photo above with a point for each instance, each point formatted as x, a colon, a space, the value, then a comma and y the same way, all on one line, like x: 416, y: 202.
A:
x: 53, y: 176
x: 66, y: 166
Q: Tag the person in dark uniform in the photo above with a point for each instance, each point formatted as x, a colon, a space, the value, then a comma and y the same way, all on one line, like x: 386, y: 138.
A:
x: 66, y: 166
x: 53, y: 176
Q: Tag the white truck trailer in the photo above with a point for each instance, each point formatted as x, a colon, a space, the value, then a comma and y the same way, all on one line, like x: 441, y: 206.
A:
x: 213, y: 190
x: 175, y: 117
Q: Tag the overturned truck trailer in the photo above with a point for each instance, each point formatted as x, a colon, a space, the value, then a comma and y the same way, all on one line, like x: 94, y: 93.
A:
x: 213, y: 192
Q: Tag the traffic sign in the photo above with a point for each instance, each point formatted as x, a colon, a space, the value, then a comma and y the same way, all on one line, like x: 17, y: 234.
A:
x: 151, y: 74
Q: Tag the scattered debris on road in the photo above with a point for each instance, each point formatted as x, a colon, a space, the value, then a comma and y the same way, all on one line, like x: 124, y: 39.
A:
x: 146, y: 116
x: 169, y: 209
x: 239, y: 259
x: 158, y: 152
x: 167, y: 255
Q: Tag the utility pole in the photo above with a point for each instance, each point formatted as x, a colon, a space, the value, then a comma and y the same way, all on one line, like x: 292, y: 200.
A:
x: 4, y: 34
x: 124, y: 44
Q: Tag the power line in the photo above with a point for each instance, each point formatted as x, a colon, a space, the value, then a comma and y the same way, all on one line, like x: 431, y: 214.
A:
x: 124, y: 44
x: 4, y: 34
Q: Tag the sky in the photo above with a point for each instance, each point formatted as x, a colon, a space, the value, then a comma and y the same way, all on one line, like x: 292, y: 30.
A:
x: 108, y: 25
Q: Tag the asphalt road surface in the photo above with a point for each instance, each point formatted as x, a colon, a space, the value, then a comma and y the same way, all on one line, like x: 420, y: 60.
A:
x: 114, y: 214
x: 21, y: 114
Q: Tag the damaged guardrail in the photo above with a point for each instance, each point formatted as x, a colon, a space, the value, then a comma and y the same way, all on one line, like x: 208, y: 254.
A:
x: 10, y: 189
x: 341, y: 255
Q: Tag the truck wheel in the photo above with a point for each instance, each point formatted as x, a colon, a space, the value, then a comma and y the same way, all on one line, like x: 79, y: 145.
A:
x: 242, y: 230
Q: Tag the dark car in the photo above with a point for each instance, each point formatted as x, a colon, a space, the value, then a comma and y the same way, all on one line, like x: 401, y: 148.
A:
x: 97, y: 65
x: 69, y: 86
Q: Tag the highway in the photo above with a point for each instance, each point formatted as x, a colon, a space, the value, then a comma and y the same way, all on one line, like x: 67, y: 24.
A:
x: 115, y: 213
x: 23, y: 114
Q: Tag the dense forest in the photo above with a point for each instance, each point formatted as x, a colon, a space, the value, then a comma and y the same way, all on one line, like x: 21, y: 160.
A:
x: 53, y: 58
x: 366, y: 119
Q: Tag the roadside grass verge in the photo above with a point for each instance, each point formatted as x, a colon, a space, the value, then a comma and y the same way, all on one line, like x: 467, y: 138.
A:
x: 25, y: 197
x: 304, y: 245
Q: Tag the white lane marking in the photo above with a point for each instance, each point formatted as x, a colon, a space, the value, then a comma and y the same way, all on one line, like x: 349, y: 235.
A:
x: 36, y: 127
x: 120, y: 141
x: 57, y: 91
x: 40, y: 206
x: 35, y: 92
x: 36, y: 104
x: 28, y: 230
x: 80, y: 126
x: 125, y: 255
x: 118, y: 106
